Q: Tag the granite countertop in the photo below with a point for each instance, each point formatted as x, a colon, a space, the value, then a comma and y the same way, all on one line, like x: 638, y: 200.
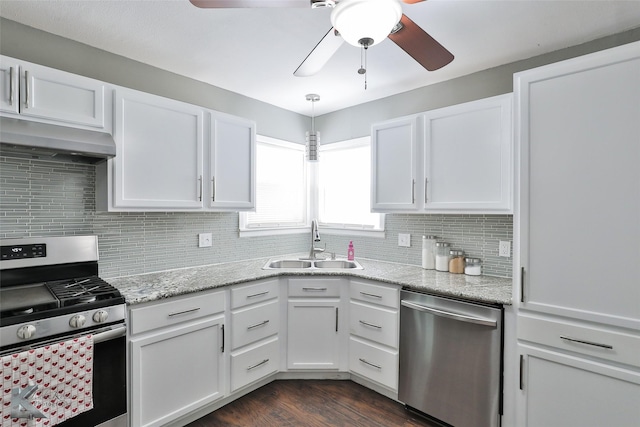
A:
x: 155, y: 286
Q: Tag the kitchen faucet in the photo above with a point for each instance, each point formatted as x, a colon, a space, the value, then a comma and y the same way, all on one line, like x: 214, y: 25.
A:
x: 315, y: 237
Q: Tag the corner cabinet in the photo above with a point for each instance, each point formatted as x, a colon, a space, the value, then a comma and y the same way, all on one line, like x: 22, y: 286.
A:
x: 173, y: 156
x: 578, y: 310
x: 456, y: 159
x: 37, y: 93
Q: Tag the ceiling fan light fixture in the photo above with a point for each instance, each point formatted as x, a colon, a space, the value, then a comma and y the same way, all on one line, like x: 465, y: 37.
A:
x: 360, y: 19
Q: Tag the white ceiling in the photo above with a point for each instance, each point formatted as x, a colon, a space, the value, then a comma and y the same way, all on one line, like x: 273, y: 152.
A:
x: 255, y: 51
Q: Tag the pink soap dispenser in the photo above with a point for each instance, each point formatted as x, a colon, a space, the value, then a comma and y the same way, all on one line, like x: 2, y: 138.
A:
x: 350, y: 252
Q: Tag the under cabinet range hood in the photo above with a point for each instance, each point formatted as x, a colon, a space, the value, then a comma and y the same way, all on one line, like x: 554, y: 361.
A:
x: 22, y: 138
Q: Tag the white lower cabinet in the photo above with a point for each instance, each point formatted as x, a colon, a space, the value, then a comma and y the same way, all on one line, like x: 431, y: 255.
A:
x: 570, y: 391
x: 179, y: 367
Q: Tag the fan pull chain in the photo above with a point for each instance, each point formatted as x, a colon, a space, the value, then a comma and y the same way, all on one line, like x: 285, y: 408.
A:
x: 363, y: 63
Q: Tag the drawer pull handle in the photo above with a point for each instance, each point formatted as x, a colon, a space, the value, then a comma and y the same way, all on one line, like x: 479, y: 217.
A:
x: 370, y: 324
x: 27, y: 91
x: 370, y: 364
x: 257, y: 325
x: 258, y: 294
x: 178, y: 313
x: 314, y: 289
x: 258, y: 364
x: 12, y: 88
x: 595, y: 344
x: 370, y: 295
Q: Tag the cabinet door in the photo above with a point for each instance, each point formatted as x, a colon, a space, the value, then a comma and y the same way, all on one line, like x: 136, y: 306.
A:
x: 231, y: 179
x: 468, y: 157
x: 394, y: 165
x: 159, y: 153
x: 9, y: 72
x: 176, y: 371
x: 313, y: 335
x: 56, y: 95
x: 562, y: 390
x: 579, y: 128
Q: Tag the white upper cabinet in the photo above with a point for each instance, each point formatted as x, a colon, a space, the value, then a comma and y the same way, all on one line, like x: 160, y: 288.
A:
x: 468, y: 157
x: 159, y: 144
x: 173, y: 156
x: 33, y: 92
x: 394, y: 153
x: 232, y: 161
x: 579, y: 133
x: 465, y: 164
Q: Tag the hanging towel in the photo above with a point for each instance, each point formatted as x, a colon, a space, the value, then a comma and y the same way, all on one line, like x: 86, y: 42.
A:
x: 54, y: 380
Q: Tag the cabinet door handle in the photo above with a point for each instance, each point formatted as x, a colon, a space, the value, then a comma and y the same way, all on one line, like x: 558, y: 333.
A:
x: 521, y: 284
x: 369, y: 363
x: 12, y: 86
x: 370, y: 324
x: 314, y: 289
x: 521, y: 377
x: 213, y: 188
x: 413, y: 191
x: 257, y: 364
x: 257, y: 325
x: 27, y: 91
x: 426, y: 181
x: 366, y: 294
x: 178, y: 313
x: 258, y: 294
x: 579, y: 341
x: 200, y: 188
x: 336, y: 319
x: 222, y: 329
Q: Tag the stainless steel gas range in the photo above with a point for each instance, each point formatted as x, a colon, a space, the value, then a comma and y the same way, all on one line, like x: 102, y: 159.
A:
x: 62, y: 335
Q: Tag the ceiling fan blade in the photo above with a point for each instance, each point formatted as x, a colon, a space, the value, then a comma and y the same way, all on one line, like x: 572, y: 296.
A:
x: 207, y: 4
x: 320, y: 54
x: 420, y: 45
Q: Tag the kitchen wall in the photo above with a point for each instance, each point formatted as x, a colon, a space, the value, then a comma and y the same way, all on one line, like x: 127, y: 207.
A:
x: 41, y: 198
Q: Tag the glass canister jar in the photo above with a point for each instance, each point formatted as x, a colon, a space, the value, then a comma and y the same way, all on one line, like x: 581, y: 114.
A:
x: 473, y: 266
x: 442, y: 256
x: 456, y: 263
x: 429, y: 252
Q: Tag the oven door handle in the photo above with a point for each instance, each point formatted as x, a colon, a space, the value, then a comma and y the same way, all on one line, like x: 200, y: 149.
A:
x: 110, y: 334
x: 449, y: 315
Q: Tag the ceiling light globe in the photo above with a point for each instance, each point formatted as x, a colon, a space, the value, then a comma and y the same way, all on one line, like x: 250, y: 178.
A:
x: 358, y: 19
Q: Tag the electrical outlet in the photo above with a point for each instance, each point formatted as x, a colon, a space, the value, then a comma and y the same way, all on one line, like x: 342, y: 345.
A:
x: 504, y: 248
x: 205, y: 240
x: 404, y: 240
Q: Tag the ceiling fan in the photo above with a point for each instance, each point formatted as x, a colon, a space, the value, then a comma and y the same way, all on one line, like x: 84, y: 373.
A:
x: 361, y: 23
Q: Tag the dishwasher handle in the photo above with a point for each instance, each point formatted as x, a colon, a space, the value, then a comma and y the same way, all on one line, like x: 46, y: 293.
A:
x: 449, y: 315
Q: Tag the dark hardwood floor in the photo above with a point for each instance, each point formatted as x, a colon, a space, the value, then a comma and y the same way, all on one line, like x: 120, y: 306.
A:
x: 312, y: 403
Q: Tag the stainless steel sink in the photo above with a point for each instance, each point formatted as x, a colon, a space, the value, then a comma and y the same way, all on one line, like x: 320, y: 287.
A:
x: 304, y: 264
x: 336, y: 263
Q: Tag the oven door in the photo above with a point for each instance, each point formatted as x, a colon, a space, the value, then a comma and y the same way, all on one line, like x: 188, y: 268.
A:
x: 109, y: 379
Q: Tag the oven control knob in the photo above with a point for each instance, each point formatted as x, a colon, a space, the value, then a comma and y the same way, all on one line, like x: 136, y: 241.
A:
x: 77, y: 321
x: 27, y: 331
x: 100, y: 316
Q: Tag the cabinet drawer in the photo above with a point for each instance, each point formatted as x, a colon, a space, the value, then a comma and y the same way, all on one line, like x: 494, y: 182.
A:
x: 254, y: 363
x: 388, y: 296
x: 254, y: 293
x: 616, y: 346
x: 254, y: 323
x: 315, y: 287
x: 374, y: 363
x: 175, y: 311
x: 375, y: 324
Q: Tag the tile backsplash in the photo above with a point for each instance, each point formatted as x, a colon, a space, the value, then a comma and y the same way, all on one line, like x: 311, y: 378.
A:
x: 41, y: 198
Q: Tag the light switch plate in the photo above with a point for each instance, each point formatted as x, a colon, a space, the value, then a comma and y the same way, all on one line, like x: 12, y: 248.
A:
x: 404, y: 240
x: 504, y: 248
x: 205, y: 240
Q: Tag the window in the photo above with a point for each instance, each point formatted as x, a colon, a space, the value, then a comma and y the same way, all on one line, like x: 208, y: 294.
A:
x: 281, y: 187
x: 344, y: 187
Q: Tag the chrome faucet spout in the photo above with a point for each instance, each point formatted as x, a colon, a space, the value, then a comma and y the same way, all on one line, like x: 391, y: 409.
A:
x: 315, y: 237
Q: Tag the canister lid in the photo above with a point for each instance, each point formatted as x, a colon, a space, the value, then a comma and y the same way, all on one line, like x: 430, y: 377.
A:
x: 456, y: 252
x: 443, y: 244
x: 473, y: 260
x: 430, y: 237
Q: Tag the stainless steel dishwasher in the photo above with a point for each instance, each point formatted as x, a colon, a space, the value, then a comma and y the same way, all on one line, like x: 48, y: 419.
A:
x: 451, y: 359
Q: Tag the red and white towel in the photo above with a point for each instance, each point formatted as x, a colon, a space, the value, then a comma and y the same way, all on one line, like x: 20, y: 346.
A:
x: 63, y: 373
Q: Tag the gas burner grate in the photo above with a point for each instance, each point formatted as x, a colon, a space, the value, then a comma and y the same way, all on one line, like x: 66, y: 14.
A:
x: 82, y: 290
